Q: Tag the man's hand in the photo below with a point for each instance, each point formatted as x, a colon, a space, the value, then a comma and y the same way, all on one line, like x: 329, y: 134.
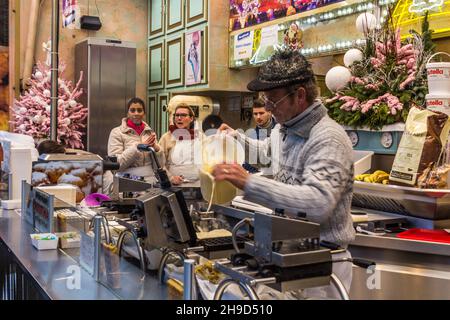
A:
x: 227, y: 129
x: 151, y: 141
x: 177, y: 180
x: 233, y: 173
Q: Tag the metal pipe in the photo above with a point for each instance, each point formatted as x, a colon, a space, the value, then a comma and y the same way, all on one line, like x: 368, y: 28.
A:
x: 54, y: 71
x: 234, y: 231
x: 194, y: 249
x: 31, y: 41
x: 14, y: 61
x: 97, y: 246
x: 140, y: 251
x: 105, y: 225
x: 340, y: 287
x: 263, y: 281
x: 189, y: 283
x: 164, y: 260
x: 227, y: 282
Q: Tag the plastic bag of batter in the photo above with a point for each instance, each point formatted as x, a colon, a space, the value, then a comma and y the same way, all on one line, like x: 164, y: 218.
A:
x: 218, y: 149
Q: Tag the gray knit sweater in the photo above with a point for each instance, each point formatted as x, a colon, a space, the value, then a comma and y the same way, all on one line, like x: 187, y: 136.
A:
x: 312, y: 162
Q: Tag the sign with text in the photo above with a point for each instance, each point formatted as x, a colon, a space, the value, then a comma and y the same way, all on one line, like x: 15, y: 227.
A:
x: 243, y: 45
x: 269, y: 36
x: 42, y: 206
x: 26, y: 211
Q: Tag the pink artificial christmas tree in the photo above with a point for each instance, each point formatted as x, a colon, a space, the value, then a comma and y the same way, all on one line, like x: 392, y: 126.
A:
x: 31, y: 113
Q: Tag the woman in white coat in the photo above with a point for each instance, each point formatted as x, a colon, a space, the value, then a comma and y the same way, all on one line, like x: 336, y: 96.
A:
x: 123, y: 141
x: 182, y: 147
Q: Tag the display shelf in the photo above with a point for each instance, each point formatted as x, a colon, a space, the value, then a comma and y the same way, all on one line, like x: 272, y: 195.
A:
x: 321, y: 29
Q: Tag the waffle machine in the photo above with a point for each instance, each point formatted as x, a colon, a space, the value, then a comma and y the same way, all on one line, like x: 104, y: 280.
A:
x: 285, y: 254
x: 161, y: 220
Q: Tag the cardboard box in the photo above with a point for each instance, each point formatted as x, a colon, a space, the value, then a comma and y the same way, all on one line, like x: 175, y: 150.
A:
x: 68, y: 240
x: 66, y: 193
x: 44, y: 241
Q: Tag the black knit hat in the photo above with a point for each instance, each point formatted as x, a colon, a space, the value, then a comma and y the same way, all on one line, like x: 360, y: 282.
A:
x: 285, y: 68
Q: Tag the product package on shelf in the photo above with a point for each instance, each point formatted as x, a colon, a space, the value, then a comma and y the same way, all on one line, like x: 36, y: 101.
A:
x: 421, y: 146
x: 438, y: 99
x: 438, y: 75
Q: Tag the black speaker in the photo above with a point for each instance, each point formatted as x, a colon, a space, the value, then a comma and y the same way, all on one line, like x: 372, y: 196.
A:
x: 90, y: 23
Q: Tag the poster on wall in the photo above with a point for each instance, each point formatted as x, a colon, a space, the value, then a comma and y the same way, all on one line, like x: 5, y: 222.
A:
x: 246, y: 13
x: 269, y: 36
x: 4, y: 88
x: 4, y: 65
x: 70, y: 14
x: 193, y: 54
x: 243, y: 45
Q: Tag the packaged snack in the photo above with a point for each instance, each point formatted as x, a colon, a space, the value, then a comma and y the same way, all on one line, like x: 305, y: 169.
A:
x: 422, y: 144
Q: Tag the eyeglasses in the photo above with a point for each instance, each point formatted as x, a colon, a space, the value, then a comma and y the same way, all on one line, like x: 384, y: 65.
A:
x: 138, y: 110
x: 270, y: 105
x: 181, y: 115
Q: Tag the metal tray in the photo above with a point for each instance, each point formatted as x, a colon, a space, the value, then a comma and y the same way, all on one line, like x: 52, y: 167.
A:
x: 422, y: 203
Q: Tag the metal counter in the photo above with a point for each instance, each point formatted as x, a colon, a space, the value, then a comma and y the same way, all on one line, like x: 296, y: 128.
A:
x: 52, y: 271
x: 406, y: 269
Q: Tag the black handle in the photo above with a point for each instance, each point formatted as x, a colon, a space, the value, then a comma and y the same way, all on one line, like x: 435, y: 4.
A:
x: 163, y: 179
x: 330, y: 245
x: 108, y: 165
x: 160, y: 173
x: 144, y: 147
x: 363, y: 263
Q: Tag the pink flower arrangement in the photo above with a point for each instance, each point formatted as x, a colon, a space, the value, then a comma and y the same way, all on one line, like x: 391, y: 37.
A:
x: 31, y: 112
x: 350, y: 103
x: 392, y: 102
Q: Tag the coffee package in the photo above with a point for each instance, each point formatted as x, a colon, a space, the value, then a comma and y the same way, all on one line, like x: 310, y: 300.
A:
x: 422, y: 144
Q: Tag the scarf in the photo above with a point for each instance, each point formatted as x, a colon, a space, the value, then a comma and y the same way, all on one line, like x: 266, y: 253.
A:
x: 135, y: 127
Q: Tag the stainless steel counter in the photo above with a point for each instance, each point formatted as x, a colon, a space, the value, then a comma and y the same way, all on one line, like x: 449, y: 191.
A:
x: 53, y: 270
x: 406, y: 245
x: 406, y: 269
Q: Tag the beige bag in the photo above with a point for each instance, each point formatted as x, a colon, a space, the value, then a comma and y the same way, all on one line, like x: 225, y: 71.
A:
x: 422, y: 144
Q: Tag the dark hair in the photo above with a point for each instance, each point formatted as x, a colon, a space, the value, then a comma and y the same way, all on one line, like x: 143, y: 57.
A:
x: 50, y: 146
x: 258, y: 103
x: 135, y: 100
x: 211, y: 122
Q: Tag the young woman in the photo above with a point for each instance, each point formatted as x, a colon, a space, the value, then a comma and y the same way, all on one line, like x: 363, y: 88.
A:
x: 182, y: 147
x: 123, y: 141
